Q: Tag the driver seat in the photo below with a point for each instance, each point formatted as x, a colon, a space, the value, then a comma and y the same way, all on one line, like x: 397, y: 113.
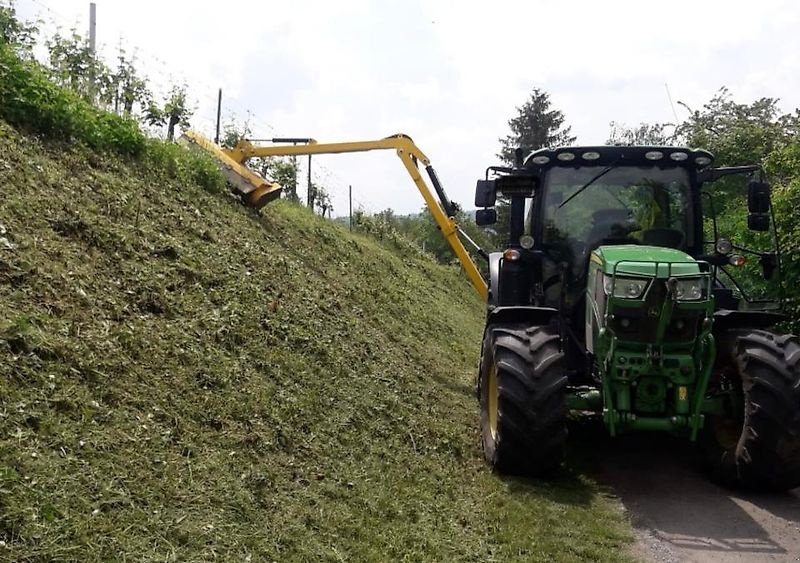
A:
x: 668, y: 238
x: 609, y: 227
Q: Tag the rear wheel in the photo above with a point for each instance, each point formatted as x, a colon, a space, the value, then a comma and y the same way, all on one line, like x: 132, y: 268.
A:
x: 522, y: 395
x: 755, y: 444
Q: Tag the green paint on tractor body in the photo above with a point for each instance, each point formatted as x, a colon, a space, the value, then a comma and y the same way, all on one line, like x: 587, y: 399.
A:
x: 648, y: 325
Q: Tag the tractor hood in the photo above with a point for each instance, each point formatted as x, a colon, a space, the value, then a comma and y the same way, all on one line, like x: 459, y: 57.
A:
x: 640, y: 260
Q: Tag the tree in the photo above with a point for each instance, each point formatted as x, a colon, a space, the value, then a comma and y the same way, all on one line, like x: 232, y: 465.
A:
x: 128, y: 88
x: 174, y: 112
x: 282, y: 170
x: 652, y: 134
x: 738, y: 133
x: 21, y: 36
x: 73, y: 65
x: 321, y: 199
x: 535, y: 126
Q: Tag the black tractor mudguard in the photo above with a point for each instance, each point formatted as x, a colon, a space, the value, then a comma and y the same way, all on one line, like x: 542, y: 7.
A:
x: 533, y: 316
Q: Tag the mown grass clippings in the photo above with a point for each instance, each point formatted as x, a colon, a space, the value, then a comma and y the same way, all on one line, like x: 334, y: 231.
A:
x: 184, y: 380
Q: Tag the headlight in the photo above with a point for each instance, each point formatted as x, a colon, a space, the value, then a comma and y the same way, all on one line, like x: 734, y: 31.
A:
x: 690, y: 289
x: 723, y: 246
x: 626, y: 288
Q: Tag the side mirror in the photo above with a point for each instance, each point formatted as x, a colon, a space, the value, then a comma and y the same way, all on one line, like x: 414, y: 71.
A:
x: 758, y: 222
x: 758, y: 206
x: 769, y: 262
x: 485, y: 217
x: 485, y: 193
x: 758, y: 197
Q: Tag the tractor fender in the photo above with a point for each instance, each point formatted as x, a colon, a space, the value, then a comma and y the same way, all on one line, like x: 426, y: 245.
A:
x: 726, y: 319
x: 529, y: 315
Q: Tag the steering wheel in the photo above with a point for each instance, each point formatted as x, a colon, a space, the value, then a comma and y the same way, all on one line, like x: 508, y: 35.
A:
x: 622, y: 230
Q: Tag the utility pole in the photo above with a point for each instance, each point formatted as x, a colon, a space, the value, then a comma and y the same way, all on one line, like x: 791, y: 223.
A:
x: 350, y: 221
x: 294, y: 185
x: 93, y: 27
x: 93, y: 50
x: 219, y: 114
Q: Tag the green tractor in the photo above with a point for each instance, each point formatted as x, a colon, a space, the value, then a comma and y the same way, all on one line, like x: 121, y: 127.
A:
x: 616, y: 296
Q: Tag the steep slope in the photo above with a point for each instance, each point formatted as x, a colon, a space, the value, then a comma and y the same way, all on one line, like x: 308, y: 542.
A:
x: 182, y: 379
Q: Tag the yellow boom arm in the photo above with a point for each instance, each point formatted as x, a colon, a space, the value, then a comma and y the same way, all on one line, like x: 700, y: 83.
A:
x: 233, y: 160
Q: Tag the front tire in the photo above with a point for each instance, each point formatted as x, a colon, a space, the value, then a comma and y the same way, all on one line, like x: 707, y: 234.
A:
x: 522, y: 395
x: 756, y: 444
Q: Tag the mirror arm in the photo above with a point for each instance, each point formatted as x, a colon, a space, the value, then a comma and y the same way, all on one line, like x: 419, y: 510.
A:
x: 713, y: 174
x: 749, y: 251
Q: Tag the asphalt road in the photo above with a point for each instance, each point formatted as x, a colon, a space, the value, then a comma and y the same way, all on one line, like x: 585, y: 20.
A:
x: 682, y: 517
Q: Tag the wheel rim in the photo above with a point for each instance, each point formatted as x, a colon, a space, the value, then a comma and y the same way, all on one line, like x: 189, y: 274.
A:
x: 492, y: 401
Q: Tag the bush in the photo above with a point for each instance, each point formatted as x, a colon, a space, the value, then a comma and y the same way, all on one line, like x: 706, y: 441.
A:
x: 184, y: 164
x: 32, y: 102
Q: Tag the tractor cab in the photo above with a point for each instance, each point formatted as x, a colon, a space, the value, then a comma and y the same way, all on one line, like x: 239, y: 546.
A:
x: 566, y: 203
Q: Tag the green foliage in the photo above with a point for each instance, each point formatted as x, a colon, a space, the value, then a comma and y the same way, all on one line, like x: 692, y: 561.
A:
x: 384, y: 228
x: 739, y: 133
x: 184, y: 165
x: 128, y: 90
x: 19, y: 35
x: 282, y: 170
x: 233, y: 132
x: 736, y: 133
x: 321, y: 199
x: 421, y: 233
x: 783, y: 167
x: 425, y: 229
x: 57, y: 103
x: 174, y: 112
x: 653, y: 134
x: 31, y: 100
x: 536, y: 125
x: 73, y: 65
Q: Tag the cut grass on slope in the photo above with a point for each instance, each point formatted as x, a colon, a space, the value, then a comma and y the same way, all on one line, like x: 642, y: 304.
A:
x: 182, y: 379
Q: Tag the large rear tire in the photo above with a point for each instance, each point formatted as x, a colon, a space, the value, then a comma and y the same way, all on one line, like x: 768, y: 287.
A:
x: 522, y: 389
x: 756, y: 444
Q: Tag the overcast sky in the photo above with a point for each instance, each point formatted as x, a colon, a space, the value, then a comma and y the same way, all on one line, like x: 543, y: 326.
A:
x: 447, y: 73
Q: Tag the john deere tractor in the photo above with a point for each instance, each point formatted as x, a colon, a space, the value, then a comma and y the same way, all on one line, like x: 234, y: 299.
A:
x: 609, y: 299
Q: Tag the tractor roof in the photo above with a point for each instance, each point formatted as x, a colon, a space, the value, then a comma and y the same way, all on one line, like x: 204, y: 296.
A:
x: 620, y: 156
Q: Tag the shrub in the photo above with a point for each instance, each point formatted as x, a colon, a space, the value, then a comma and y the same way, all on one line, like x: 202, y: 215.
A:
x: 32, y: 102
x: 184, y: 164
